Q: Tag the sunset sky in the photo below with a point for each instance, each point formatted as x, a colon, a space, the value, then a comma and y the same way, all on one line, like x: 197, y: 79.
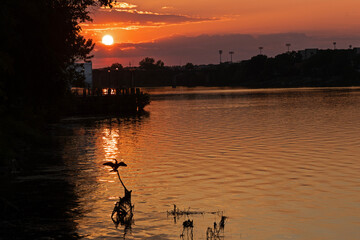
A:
x: 181, y: 31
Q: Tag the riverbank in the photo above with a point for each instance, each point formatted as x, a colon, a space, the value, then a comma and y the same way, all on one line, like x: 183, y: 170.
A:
x: 37, y: 202
x: 34, y: 202
x: 24, y: 130
x: 20, y: 134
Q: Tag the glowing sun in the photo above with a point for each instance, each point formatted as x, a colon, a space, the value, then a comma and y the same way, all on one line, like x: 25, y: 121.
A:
x: 107, y: 40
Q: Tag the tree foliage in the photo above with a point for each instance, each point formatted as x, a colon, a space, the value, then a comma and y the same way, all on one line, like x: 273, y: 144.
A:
x: 116, y: 66
x: 189, y: 66
x: 149, y: 64
x: 325, y: 68
x: 41, y: 42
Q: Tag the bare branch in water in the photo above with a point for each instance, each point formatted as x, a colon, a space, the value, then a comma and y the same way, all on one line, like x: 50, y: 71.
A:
x: 217, y: 232
x: 123, y: 209
x: 121, y: 182
x: 176, y: 212
x: 188, y: 227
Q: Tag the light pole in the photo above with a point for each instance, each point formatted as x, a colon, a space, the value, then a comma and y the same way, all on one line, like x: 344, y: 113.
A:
x: 334, y: 43
x: 109, y: 80
x: 231, y: 53
x: 220, y: 52
x: 288, y: 45
x: 261, y: 48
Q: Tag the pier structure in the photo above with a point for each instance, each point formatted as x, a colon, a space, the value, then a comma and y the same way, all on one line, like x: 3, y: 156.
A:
x: 110, y: 92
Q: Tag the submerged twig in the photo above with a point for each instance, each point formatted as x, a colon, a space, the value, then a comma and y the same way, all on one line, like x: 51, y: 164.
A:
x: 123, y: 211
x: 177, y: 212
x: 217, y: 231
x: 188, y: 227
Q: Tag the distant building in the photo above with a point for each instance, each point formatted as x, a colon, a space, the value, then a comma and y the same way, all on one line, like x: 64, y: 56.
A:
x: 309, y: 52
x: 113, y: 79
x: 86, y: 67
x: 357, y: 50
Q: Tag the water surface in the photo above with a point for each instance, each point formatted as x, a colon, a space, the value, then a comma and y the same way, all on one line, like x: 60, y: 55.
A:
x: 280, y: 164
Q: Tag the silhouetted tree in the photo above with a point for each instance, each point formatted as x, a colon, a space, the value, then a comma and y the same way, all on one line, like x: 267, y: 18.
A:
x: 149, y: 64
x: 116, y: 66
x: 160, y: 64
x: 41, y: 44
x: 41, y: 40
x: 325, y: 68
x: 189, y: 66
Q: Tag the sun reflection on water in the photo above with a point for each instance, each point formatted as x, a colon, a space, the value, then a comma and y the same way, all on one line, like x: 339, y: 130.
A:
x: 110, y: 143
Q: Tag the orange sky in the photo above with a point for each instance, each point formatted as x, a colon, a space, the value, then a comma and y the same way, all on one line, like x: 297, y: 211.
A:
x: 147, y: 21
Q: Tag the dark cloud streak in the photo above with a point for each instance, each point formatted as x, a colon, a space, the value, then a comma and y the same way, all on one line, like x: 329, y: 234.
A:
x: 141, y: 18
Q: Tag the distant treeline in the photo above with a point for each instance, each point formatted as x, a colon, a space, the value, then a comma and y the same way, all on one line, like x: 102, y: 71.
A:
x: 326, y: 68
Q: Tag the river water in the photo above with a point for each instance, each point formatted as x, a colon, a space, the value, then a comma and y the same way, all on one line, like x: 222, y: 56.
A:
x: 279, y: 164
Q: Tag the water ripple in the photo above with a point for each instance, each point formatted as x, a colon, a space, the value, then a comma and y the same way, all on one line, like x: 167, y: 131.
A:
x: 281, y: 164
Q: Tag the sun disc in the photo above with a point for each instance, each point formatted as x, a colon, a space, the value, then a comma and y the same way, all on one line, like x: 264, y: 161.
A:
x: 107, y: 40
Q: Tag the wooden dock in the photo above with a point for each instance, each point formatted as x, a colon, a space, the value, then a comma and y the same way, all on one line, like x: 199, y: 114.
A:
x: 108, y: 101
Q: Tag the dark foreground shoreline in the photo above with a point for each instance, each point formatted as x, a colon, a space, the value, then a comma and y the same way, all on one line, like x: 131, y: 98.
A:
x: 38, y: 202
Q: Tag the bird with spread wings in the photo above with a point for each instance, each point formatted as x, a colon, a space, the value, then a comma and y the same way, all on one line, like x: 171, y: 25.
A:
x: 115, y: 165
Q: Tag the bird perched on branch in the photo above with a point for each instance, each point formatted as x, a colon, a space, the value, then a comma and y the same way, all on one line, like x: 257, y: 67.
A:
x: 115, y: 165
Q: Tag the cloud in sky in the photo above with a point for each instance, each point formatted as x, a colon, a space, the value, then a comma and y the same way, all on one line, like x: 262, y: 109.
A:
x: 138, y: 21
x: 147, y: 28
x: 203, y: 49
x: 126, y: 13
x: 120, y: 5
x: 125, y: 22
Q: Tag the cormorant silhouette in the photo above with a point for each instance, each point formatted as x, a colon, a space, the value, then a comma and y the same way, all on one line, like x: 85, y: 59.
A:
x: 115, y: 165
